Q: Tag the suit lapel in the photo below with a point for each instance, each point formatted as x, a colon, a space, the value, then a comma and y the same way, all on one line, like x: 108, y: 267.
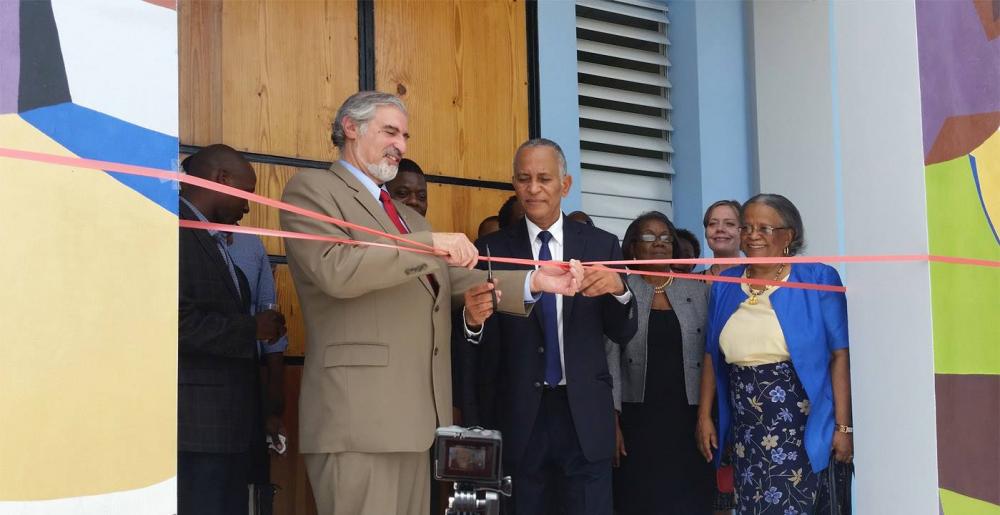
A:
x: 374, y: 208
x: 211, y: 248
x: 574, y: 246
x: 520, y: 247
x: 365, y: 198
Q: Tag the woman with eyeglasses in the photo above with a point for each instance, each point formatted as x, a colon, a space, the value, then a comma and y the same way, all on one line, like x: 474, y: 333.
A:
x: 722, y: 232
x: 778, y: 359
x: 661, y: 471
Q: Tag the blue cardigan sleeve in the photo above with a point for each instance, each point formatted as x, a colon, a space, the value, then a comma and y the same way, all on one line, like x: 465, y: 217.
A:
x: 712, y: 341
x: 834, y: 308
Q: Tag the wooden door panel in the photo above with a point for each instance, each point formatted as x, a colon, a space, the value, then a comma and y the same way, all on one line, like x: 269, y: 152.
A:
x: 289, y: 302
x: 286, y: 67
x: 271, y: 181
x: 199, y: 47
x: 294, y: 496
x: 461, y: 67
x: 460, y: 208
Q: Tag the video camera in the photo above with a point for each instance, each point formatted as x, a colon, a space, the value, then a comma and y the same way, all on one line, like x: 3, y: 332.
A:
x: 470, y: 457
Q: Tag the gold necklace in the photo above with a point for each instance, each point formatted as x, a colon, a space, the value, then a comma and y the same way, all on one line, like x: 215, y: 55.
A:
x: 754, y: 293
x: 663, y: 287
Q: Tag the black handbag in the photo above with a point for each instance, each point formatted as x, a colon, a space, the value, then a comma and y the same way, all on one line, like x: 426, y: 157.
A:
x: 835, y: 489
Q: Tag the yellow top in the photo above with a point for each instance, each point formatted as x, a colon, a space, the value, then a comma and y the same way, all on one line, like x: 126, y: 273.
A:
x: 752, y: 336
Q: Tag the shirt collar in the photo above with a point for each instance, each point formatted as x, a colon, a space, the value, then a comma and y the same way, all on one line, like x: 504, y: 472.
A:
x: 364, y: 179
x: 199, y: 216
x: 556, y: 230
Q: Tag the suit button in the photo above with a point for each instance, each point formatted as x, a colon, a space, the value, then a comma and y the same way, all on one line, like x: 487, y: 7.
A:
x: 541, y: 350
x: 437, y: 308
x: 699, y: 329
x: 689, y: 299
x: 630, y: 360
x: 436, y: 351
x: 538, y: 384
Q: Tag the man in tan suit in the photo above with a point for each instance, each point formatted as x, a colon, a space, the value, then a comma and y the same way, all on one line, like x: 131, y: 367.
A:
x: 377, y: 377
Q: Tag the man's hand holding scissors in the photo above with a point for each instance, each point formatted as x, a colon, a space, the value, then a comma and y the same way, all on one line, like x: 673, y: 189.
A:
x: 481, y: 300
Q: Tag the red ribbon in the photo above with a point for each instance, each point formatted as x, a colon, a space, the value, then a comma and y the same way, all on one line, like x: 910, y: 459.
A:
x: 415, y: 246
x: 167, y: 175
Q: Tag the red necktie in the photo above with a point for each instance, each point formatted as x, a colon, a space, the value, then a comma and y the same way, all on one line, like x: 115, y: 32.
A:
x: 390, y: 210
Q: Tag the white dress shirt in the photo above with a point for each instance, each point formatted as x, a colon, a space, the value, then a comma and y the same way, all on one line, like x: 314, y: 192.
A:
x: 370, y: 185
x: 556, y: 245
x: 376, y: 190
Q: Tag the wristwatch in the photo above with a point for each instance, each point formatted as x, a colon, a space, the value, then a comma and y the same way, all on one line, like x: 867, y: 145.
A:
x: 844, y: 429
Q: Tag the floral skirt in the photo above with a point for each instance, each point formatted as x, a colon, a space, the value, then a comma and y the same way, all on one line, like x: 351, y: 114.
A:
x: 769, y: 409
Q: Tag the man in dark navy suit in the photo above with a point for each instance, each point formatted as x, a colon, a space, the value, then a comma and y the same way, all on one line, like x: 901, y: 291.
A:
x: 553, y: 388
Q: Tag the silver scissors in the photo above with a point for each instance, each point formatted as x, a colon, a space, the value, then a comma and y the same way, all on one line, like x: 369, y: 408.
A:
x: 489, y: 277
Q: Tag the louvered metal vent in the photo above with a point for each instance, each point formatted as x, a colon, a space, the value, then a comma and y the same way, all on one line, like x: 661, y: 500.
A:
x: 624, y: 96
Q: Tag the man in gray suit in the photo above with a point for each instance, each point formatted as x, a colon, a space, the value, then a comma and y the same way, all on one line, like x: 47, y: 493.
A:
x: 377, y: 376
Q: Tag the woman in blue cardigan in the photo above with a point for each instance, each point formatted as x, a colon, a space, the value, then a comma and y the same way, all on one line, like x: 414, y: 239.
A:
x: 778, y: 359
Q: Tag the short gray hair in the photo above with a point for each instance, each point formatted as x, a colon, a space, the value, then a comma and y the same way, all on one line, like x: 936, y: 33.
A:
x: 542, y: 142
x: 360, y: 108
x: 789, y: 216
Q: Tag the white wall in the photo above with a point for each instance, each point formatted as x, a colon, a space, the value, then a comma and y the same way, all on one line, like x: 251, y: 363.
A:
x: 794, y: 119
x: 885, y: 212
x: 837, y: 116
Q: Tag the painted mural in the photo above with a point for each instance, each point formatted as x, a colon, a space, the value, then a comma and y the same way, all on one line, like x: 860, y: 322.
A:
x: 88, y: 381
x: 959, y: 46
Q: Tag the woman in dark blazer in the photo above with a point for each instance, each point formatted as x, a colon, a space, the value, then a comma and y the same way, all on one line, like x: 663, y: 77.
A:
x: 778, y: 358
x: 662, y: 472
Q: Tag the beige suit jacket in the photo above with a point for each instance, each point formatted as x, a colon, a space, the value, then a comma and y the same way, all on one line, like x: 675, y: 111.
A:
x: 377, y: 374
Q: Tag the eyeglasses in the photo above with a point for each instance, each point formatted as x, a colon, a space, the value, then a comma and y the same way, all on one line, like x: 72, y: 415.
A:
x: 766, y: 230
x: 650, y: 238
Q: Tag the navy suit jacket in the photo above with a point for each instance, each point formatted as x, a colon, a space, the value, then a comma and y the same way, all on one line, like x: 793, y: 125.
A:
x: 516, y: 344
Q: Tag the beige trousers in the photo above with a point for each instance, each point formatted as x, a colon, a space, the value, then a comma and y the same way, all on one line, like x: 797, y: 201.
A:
x: 355, y: 483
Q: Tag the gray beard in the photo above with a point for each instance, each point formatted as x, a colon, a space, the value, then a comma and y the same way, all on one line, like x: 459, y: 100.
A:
x: 383, y: 171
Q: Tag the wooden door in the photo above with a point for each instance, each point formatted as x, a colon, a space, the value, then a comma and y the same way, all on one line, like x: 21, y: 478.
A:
x: 266, y: 77
x: 461, y: 67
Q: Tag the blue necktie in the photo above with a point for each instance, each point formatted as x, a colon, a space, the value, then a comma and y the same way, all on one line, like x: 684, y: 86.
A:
x: 550, y: 321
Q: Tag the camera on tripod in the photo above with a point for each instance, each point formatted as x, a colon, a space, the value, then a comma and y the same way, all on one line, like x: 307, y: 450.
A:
x: 470, y: 457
